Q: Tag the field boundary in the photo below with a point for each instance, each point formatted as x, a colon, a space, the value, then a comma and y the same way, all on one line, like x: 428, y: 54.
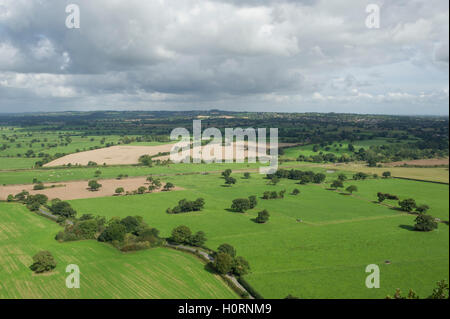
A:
x: 420, y: 180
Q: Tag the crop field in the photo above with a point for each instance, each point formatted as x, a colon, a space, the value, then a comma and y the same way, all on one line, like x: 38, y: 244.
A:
x: 105, y: 272
x: 324, y: 255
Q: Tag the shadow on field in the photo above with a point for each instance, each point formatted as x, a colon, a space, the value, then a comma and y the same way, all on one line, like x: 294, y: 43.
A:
x: 210, y: 268
x: 407, y: 227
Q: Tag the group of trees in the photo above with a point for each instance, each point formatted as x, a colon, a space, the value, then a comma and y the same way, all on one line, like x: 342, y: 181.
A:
x: 383, y: 196
x: 155, y: 184
x: 241, y: 205
x: 229, y: 180
x: 440, y: 292
x: 226, y: 261
x: 304, y: 177
x: 183, y: 235
x: 274, y: 194
x: 129, y: 233
x: 185, y: 206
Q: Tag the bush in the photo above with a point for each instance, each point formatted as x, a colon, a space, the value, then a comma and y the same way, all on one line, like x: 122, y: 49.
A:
x: 43, y: 261
x: 295, y: 191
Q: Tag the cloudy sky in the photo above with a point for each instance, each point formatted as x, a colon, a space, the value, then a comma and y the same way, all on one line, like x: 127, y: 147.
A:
x: 255, y: 55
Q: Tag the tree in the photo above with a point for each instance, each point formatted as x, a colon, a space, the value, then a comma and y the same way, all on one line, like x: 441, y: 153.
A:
x: 422, y: 209
x: 43, y: 261
x: 425, y: 223
x: 263, y: 217
x: 386, y: 174
x: 240, y: 266
x: 318, y: 178
x: 131, y: 223
x: 119, y: 190
x: 227, y: 249
x: 169, y: 186
x: 115, y: 231
x: 342, y: 177
x: 10, y: 198
x: 240, y: 205
x: 198, y: 239
x: 94, y: 185
x: 274, y: 180
x: 226, y: 173
x: 146, y: 160
x: 38, y: 186
x: 295, y: 191
x: 247, y: 175
x: 223, y: 263
x: 253, y: 201
x: 337, y: 184
x: 230, y: 180
x: 181, y: 234
x: 62, y: 209
x: 141, y: 190
x: 359, y: 176
x: 351, y: 189
x: 407, y: 205
x: 441, y: 291
x: 381, y: 197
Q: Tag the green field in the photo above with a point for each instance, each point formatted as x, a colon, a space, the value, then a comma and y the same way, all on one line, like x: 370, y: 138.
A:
x: 337, y: 148
x: 105, y: 272
x: 325, y: 255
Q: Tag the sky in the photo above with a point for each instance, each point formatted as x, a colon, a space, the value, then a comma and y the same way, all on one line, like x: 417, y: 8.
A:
x: 233, y: 55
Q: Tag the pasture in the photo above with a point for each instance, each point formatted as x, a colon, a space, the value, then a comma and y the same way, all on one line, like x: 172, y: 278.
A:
x: 105, y: 272
x: 324, y: 255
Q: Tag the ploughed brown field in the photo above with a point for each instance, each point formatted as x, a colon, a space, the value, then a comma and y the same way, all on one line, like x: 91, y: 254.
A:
x: 79, y: 189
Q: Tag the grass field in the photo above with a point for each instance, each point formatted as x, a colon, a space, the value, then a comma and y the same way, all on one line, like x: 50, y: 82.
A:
x: 324, y: 256
x: 337, y: 148
x: 435, y: 174
x: 105, y: 272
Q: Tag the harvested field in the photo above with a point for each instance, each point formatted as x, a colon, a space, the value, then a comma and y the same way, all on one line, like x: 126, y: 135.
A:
x: 421, y: 162
x: 114, y: 155
x: 128, y: 155
x: 78, y: 189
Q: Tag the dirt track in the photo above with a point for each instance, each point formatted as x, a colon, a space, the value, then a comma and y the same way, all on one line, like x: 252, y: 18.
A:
x: 79, y: 189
